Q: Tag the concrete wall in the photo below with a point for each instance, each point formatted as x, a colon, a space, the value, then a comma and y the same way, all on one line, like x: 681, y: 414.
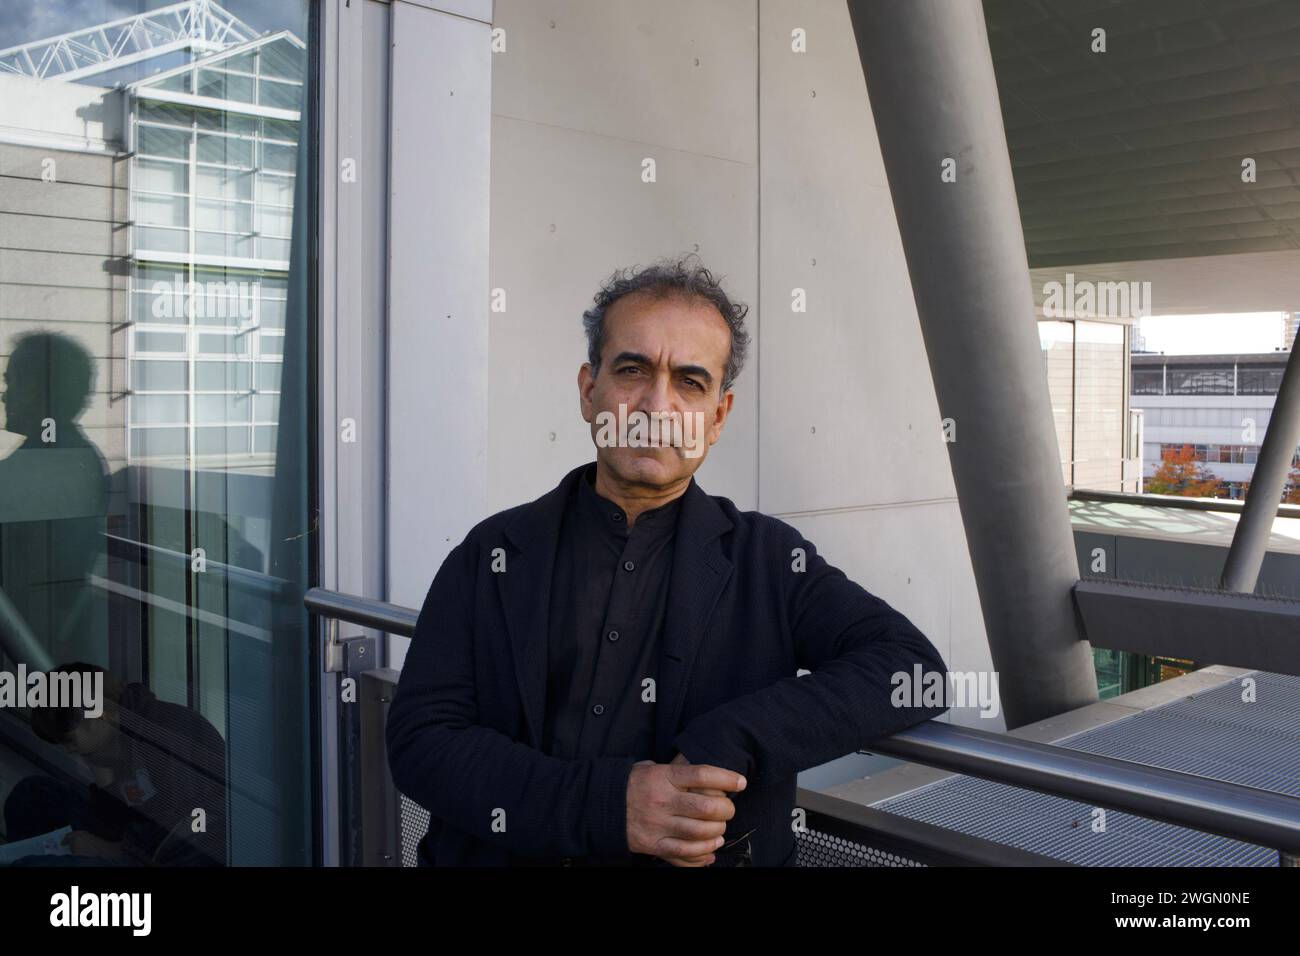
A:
x: 769, y: 167
x: 62, y: 240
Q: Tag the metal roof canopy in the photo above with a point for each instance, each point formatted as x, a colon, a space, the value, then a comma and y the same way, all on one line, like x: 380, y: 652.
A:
x: 1136, y: 153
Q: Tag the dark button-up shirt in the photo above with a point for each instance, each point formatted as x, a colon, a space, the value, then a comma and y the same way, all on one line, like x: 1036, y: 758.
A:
x: 608, y: 597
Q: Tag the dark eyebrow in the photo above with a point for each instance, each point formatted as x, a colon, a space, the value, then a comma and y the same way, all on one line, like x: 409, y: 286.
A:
x: 699, y: 371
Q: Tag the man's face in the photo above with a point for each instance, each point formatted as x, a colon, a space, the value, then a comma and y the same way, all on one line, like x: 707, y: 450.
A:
x: 18, y: 400
x: 660, y: 355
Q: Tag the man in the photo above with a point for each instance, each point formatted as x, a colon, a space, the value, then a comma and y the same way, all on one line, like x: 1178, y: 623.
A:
x: 607, y: 675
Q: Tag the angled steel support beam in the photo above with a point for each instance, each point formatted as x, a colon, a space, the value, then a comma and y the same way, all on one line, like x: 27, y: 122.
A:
x: 1250, y: 540
x: 935, y: 101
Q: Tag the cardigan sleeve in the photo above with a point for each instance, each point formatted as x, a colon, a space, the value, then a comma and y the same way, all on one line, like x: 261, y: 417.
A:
x: 854, y: 644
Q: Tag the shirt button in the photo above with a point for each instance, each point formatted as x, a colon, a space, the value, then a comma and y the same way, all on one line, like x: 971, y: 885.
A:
x: 628, y: 566
x: 598, y: 709
x: 568, y: 861
x: 613, y: 635
x: 617, y: 516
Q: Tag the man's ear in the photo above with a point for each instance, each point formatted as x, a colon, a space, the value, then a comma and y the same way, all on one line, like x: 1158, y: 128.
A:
x: 720, y: 415
x: 586, y: 382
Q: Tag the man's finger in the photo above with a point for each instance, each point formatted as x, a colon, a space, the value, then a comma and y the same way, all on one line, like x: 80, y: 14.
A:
x: 703, y: 776
x: 671, y: 848
x: 701, y: 806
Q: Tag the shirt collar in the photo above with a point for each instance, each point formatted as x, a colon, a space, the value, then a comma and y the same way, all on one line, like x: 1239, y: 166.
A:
x: 611, y: 515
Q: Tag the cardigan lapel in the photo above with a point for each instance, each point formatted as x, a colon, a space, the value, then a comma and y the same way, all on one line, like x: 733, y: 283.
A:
x: 525, y: 589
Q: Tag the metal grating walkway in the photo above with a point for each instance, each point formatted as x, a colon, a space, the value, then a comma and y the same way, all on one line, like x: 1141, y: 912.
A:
x: 1212, y: 734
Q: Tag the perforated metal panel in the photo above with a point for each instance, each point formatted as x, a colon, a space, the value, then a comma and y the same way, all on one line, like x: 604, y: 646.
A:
x: 412, y: 824
x: 1212, y: 734
x: 816, y: 848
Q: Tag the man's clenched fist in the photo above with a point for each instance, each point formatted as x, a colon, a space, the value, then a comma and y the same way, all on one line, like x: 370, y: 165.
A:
x: 679, y: 811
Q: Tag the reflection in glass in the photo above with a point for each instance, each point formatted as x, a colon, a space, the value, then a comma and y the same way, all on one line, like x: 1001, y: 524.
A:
x: 154, y: 495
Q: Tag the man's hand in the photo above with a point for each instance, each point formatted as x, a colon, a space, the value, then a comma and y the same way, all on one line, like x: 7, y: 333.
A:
x: 679, y: 811
x: 680, y: 759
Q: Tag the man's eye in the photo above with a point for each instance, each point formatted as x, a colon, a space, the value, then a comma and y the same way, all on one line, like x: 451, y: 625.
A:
x: 694, y: 384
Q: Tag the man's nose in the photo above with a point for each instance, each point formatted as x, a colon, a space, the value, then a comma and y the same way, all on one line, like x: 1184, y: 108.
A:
x: 658, y: 396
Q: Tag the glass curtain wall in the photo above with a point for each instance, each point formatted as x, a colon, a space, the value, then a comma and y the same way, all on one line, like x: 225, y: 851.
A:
x: 157, y: 223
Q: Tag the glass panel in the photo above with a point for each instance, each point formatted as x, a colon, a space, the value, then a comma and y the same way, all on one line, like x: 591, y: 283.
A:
x: 161, y: 210
x: 284, y: 130
x: 158, y: 442
x: 155, y: 452
x: 228, y: 376
x: 228, y: 122
x: 226, y: 86
x: 223, y: 344
x: 160, y: 341
x: 226, y: 150
x: 274, y: 222
x: 161, y: 240
x: 169, y: 114
x: 161, y: 177
x: 223, y: 244
x: 275, y: 189
x: 268, y: 376
x: 180, y: 83
x: 162, y: 141
x: 277, y: 157
x: 222, y: 441
x: 1056, y: 339
x: 282, y: 59
x: 159, y: 376
x: 220, y: 183
x: 225, y: 216
x: 210, y: 409
x: 240, y: 63
x: 285, y: 96
x: 159, y: 409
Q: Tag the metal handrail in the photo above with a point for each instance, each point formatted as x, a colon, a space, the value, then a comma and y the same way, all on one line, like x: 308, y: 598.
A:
x: 366, y: 612
x: 1214, y: 806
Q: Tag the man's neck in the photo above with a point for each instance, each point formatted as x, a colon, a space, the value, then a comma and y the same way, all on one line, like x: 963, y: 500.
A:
x: 636, y: 499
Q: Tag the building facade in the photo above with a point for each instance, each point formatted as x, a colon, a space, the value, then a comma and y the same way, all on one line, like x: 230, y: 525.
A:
x: 1218, y: 404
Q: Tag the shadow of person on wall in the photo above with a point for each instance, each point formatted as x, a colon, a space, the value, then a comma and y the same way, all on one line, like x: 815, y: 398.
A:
x: 53, y: 506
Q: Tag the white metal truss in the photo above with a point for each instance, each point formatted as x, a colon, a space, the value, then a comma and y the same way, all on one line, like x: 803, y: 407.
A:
x: 198, y: 25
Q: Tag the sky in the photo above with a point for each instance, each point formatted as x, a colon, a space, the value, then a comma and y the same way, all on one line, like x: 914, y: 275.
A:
x: 1212, y: 334
x: 22, y: 21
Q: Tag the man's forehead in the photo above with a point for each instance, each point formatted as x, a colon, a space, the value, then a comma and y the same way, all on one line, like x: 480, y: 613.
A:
x: 669, y: 321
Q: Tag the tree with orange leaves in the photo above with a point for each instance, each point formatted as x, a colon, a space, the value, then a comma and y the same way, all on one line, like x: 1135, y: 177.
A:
x: 1181, y: 474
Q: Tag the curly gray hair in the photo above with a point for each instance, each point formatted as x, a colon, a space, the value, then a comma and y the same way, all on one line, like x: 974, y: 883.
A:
x: 664, y: 278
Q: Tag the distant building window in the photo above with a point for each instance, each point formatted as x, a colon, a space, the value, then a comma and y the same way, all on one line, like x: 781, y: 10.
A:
x: 1216, y: 454
x: 1200, y: 380
x: 1148, y: 381
x: 1258, y: 381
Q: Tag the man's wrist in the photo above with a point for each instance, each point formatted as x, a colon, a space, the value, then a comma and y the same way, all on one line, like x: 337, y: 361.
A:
x: 607, y: 805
